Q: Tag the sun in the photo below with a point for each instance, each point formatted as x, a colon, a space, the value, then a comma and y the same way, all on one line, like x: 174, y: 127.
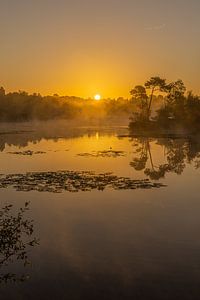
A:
x: 97, y: 97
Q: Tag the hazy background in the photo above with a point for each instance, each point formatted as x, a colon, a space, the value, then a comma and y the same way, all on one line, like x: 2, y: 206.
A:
x: 81, y: 48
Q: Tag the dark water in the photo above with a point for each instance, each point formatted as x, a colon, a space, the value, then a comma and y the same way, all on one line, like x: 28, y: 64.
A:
x: 111, y: 244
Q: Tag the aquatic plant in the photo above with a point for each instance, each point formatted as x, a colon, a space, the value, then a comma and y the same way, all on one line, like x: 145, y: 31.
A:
x: 72, y: 181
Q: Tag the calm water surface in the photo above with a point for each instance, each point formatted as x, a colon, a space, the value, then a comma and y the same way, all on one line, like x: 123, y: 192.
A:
x: 111, y: 244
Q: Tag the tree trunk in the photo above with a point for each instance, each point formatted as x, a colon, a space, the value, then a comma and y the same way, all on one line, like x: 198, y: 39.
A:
x: 150, y: 102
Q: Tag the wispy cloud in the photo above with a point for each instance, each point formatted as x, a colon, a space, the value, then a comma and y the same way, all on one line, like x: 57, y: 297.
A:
x: 156, y: 27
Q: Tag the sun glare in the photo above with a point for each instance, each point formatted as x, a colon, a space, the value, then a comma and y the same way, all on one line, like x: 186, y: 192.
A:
x: 97, y: 97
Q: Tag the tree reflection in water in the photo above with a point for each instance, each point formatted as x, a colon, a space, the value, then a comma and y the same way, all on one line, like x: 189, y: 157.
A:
x: 16, y: 240
x: 178, y: 153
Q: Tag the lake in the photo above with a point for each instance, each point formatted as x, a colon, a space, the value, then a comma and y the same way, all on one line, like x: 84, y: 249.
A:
x: 114, y: 217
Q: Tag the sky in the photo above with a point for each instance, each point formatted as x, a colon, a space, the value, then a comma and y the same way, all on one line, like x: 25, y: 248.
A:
x: 85, y: 47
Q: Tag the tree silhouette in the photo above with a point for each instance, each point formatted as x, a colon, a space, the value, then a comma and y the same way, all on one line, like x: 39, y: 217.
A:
x: 155, y: 84
x: 15, y: 241
x: 139, y: 95
x: 175, y: 91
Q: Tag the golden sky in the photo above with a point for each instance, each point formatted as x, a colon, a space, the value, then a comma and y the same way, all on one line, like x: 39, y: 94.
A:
x: 84, y: 47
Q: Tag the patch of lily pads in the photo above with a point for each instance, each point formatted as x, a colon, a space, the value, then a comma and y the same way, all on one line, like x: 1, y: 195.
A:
x: 27, y: 152
x: 104, y: 153
x: 72, y: 181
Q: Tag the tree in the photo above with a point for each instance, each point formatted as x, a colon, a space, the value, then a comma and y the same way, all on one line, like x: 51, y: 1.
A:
x: 176, y: 91
x: 155, y: 84
x: 139, y: 94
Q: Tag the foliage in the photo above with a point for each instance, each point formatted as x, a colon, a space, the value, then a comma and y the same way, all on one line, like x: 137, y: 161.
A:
x: 139, y: 96
x: 144, y: 103
x: 21, y: 106
x: 15, y: 240
x: 178, y: 112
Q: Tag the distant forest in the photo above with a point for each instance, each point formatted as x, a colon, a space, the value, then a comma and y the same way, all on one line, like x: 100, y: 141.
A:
x: 152, y: 105
x: 21, y: 106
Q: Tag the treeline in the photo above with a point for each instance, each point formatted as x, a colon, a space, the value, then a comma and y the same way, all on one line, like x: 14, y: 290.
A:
x: 180, y: 109
x: 21, y: 106
x: 156, y: 104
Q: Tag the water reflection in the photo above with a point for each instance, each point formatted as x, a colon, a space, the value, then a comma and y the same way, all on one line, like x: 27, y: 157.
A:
x: 21, y: 138
x: 116, y: 244
x: 84, y: 148
x: 177, y: 154
x: 16, y: 239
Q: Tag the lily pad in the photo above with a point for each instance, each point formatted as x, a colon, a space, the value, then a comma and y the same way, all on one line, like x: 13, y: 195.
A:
x: 104, y: 153
x: 72, y: 181
x: 27, y: 152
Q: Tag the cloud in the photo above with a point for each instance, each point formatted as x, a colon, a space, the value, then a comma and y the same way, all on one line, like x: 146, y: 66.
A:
x: 156, y: 27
